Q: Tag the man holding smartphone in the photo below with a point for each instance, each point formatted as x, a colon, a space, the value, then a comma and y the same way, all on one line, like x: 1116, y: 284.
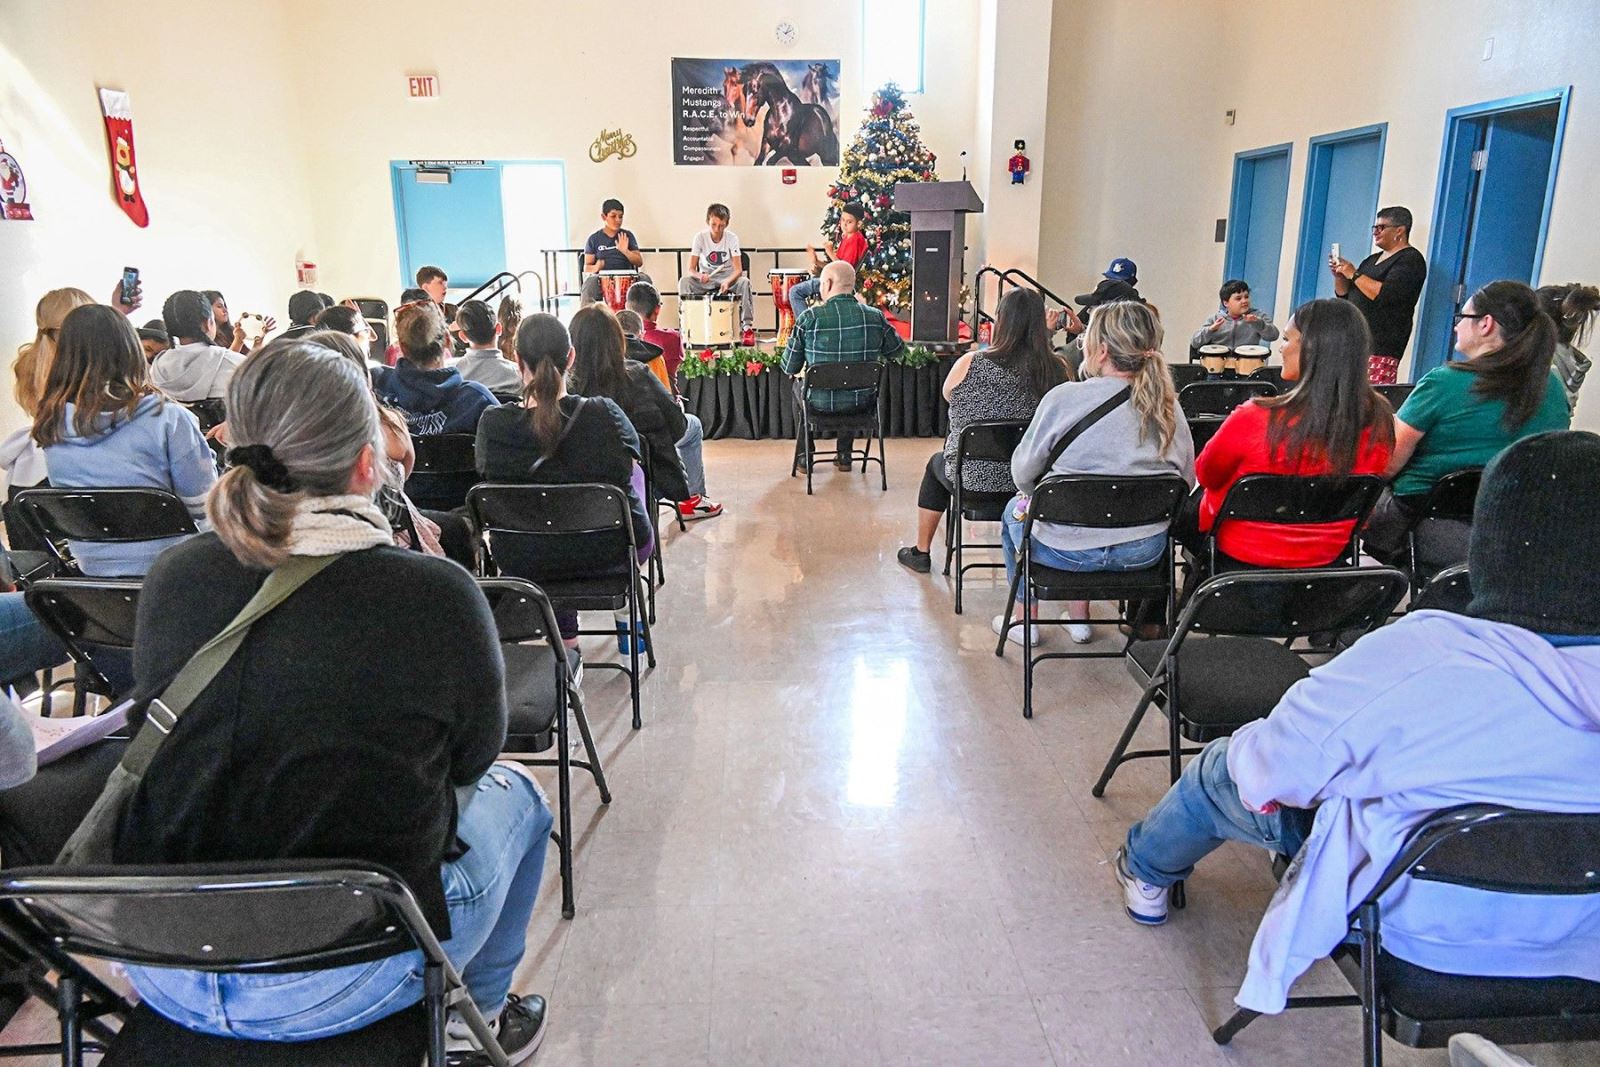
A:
x: 1385, y: 289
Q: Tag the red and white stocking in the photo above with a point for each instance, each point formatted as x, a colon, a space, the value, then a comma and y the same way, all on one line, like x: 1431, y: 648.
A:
x: 114, y: 104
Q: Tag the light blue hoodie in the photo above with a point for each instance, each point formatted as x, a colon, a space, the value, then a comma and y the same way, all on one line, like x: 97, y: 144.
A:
x: 159, y: 447
x: 1433, y: 711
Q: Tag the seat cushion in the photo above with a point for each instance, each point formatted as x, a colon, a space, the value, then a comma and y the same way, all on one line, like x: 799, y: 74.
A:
x: 1224, y: 682
x: 149, y: 1040
x: 531, y: 697
x: 1052, y: 584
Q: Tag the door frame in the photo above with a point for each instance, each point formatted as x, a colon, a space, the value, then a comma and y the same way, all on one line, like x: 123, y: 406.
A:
x: 1239, y: 210
x: 1443, y: 235
x: 1314, y: 203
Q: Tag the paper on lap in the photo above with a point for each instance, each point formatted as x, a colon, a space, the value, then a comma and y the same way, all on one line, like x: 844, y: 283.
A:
x: 54, y: 738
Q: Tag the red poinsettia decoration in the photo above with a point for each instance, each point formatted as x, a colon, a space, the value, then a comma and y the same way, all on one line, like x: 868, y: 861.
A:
x: 707, y: 355
x: 753, y: 368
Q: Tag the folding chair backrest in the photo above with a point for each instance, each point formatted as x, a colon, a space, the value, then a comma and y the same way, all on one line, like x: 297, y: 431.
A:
x: 530, y: 524
x: 1271, y: 375
x: 1219, y: 398
x: 445, y: 469
x: 522, y: 613
x: 89, y: 610
x: 1394, y: 394
x: 1453, y: 496
x: 1291, y: 499
x: 1186, y: 374
x: 105, y: 515
x: 859, y: 375
x: 1202, y: 428
x: 1450, y: 590
x: 991, y: 439
x: 1108, y: 501
x: 211, y: 412
x: 1504, y: 850
x: 232, y: 917
x: 371, y: 308
x: 1284, y: 604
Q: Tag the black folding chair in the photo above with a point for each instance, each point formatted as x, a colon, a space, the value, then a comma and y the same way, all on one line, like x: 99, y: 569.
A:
x: 810, y: 423
x: 1202, y: 428
x: 576, y: 543
x: 991, y: 440
x: 1394, y: 394
x: 1450, y: 590
x: 1271, y: 375
x: 1186, y: 373
x: 100, y: 516
x: 1102, y: 502
x: 658, y: 568
x: 376, y: 312
x: 86, y: 614
x: 211, y: 412
x: 1491, y: 849
x: 541, y: 694
x: 446, y: 468
x: 258, y: 918
x: 1295, y: 500
x: 1229, y: 659
x: 1220, y: 397
x: 1430, y: 546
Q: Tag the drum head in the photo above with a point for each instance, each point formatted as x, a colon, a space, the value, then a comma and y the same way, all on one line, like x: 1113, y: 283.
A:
x: 1252, y: 351
x: 619, y: 274
x: 1215, y: 350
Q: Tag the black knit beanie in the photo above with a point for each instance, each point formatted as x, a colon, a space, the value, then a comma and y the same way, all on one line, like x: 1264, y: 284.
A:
x: 1535, y: 555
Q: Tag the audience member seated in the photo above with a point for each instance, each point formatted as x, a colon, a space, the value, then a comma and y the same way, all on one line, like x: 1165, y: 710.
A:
x: 1004, y: 381
x: 1464, y: 413
x: 1332, y: 422
x: 1236, y: 323
x: 102, y: 424
x: 691, y: 445
x: 303, y: 308
x: 555, y: 438
x: 483, y: 363
x: 18, y: 752
x: 228, y: 336
x: 1144, y: 434
x: 195, y: 368
x: 852, y: 249
x: 382, y: 753
x: 716, y: 266
x: 609, y: 248
x: 26, y: 647
x: 432, y: 396
x: 348, y: 320
x: 839, y: 330
x: 1358, y: 747
x: 1572, y: 307
x: 509, y: 317
x: 434, y: 284
x: 641, y: 351
x: 154, y: 339
x: 645, y: 301
x: 1119, y: 282
x: 20, y: 455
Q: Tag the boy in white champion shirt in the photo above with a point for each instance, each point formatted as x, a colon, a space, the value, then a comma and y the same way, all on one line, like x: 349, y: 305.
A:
x: 715, y: 266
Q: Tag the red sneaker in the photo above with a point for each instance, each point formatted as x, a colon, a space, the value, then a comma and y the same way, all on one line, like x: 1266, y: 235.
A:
x: 698, y: 508
x: 749, y: 336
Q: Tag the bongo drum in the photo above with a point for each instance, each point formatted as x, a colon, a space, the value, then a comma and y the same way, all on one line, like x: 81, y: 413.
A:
x: 1251, y: 358
x: 782, y: 279
x: 1214, y: 357
x: 614, y: 285
x: 707, y: 322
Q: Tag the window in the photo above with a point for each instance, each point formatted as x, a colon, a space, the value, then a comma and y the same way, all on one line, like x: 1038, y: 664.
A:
x: 892, y: 35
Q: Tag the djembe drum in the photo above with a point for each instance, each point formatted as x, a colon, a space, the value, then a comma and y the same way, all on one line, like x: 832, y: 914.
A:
x: 1214, y: 357
x: 614, y: 285
x: 783, y: 279
x: 1250, y: 358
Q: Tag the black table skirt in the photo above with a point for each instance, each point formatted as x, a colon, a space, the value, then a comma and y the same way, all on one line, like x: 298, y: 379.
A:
x: 754, y: 408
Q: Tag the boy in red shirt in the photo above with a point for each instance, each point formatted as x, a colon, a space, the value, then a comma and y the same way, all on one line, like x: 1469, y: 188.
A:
x: 852, y: 249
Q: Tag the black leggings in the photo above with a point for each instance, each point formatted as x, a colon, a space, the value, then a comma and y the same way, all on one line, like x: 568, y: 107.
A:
x: 935, y: 492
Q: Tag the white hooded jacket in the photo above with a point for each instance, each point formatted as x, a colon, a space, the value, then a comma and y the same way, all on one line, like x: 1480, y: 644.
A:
x: 193, y: 372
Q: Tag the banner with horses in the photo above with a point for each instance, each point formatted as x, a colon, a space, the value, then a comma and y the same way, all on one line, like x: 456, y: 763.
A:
x: 741, y: 112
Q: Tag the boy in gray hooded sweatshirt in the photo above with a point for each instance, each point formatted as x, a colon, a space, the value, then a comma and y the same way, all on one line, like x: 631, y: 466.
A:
x: 196, y: 367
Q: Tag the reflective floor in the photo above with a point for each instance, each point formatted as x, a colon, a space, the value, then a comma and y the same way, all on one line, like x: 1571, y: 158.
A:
x: 837, y: 842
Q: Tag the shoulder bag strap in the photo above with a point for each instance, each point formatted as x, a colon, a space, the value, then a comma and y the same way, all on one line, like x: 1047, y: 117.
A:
x: 1110, y: 404
x: 566, y: 428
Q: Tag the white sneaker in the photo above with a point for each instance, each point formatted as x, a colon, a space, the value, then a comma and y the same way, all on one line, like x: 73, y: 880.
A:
x: 1014, y: 634
x: 1470, y: 1050
x: 1080, y: 632
x: 1146, y: 903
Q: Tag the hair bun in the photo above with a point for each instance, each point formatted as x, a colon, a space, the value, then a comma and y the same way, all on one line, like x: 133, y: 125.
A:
x: 264, y: 465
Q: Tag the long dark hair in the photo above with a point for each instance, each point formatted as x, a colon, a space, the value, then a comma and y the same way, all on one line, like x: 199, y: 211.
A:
x: 542, y: 347
x: 598, y: 368
x: 99, y: 367
x: 1332, y: 405
x: 1022, y: 342
x: 1571, y: 306
x: 1518, y: 372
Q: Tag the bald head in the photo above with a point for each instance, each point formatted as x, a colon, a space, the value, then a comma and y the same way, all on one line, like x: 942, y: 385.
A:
x: 838, y: 277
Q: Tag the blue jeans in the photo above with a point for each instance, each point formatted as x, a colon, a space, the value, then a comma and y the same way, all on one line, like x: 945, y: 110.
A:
x: 1200, y: 812
x: 689, y: 451
x: 490, y: 893
x: 802, y: 293
x: 1128, y: 556
x: 25, y: 645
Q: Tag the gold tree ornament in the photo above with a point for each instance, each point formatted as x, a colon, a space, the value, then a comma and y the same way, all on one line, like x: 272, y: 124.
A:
x: 612, y: 143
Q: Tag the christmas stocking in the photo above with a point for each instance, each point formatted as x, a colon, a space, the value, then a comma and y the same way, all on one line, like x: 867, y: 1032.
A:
x: 114, y: 104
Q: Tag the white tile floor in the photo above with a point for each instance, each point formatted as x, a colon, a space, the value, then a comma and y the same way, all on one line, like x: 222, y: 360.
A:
x: 837, y: 842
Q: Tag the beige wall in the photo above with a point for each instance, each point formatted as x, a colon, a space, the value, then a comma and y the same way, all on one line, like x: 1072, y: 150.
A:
x: 1139, y: 160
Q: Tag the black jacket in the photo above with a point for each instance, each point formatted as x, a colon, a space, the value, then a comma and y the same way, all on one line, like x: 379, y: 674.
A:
x: 660, y: 422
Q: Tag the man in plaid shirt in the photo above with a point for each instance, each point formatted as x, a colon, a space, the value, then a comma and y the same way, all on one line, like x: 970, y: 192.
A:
x: 840, y: 330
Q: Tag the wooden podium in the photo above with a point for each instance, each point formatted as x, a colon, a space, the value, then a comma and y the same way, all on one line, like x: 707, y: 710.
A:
x: 938, y: 213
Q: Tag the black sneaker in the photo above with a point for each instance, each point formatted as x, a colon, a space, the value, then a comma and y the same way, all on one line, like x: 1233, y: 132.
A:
x: 912, y: 560
x: 519, y: 1030
x: 842, y: 462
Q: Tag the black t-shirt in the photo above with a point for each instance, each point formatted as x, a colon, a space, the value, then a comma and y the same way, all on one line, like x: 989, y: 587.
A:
x: 340, y: 728
x: 1390, y: 316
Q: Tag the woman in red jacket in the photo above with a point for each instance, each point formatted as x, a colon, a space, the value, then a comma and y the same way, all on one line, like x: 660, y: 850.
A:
x: 1332, y: 422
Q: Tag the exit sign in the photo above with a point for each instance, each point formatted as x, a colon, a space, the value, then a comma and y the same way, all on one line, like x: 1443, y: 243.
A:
x: 422, y: 86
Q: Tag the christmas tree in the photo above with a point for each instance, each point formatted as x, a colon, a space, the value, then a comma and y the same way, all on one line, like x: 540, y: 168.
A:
x: 887, y: 149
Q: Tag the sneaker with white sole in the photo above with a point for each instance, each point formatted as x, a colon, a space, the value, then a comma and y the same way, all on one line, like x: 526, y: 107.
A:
x: 1015, y: 633
x: 519, y: 1030
x: 1146, y: 903
x: 1080, y: 632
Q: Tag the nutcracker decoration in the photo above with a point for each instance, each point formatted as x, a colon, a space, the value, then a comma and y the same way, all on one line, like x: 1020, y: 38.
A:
x: 1019, y: 163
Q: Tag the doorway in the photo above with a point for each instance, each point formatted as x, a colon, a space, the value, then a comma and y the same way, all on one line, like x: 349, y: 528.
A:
x: 1255, y: 222
x: 476, y: 218
x: 1497, y: 175
x: 1341, y: 197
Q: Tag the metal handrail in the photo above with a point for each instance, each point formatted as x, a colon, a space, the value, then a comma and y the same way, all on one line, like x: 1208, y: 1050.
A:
x: 1031, y: 280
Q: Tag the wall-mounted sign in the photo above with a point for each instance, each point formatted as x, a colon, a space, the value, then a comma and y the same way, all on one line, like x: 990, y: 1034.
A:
x: 770, y: 112
x: 612, y: 143
x: 422, y: 86
x: 13, y: 189
x: 434, y: 164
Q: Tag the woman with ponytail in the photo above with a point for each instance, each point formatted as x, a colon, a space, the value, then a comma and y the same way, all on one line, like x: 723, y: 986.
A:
x: 19, y: 455
x: 1572, y: 307
x: 1466, y: 412
x: 1145, y: 433
x: 316, y: 741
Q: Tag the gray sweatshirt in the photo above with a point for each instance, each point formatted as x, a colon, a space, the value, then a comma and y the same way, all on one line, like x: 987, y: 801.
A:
x: 194, y: 372
x: 487, y: 366
x: 1110, y: 446
x: 1235, y: 332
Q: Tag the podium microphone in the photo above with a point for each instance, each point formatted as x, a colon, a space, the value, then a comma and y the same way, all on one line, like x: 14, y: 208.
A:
x: 963, y: 164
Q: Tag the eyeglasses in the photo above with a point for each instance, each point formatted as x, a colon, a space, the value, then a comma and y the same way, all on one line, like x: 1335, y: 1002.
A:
x: 1381, y: 226
x: 1463, y: 315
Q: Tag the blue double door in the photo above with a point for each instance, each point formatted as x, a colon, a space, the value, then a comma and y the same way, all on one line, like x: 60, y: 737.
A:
x: 1341, y: 198
x: 1255, y: 222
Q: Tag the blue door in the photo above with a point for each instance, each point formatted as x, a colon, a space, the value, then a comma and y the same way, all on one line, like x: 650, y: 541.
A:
x: 1496, y: 178
x: 456, y: 224
x: 1255, y: 222
x: 1340, y: 200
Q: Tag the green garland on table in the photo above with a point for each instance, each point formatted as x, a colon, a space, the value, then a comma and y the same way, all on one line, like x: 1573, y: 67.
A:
x: 751, y: 362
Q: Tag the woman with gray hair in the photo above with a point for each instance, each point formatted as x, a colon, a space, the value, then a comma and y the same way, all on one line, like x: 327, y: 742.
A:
x: 315, y: 740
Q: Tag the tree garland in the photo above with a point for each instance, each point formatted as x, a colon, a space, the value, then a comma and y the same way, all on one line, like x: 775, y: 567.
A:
x: 709, y: 362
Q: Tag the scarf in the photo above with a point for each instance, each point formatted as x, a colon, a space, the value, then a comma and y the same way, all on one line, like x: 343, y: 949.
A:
x: 331, y: 525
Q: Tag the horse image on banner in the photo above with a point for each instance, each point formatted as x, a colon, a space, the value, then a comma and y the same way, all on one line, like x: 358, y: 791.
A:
x: 737, y: 112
